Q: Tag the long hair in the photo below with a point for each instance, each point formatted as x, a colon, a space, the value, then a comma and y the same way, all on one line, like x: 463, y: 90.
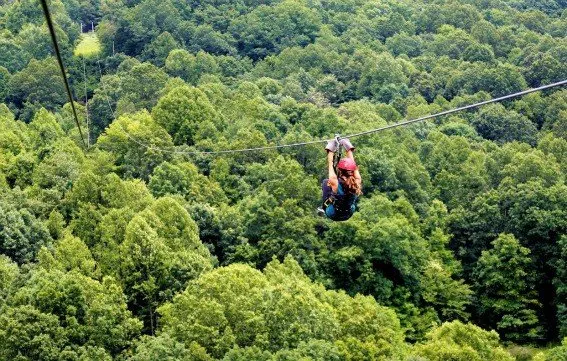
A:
x: 349, y: 181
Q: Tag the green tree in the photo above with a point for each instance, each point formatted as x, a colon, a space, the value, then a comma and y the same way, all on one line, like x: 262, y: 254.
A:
x: 284, y: 179
x: 26, y: 12
x: 533, y: 166
x: 487, y: 33
x: 206, y: 38
x: 157, y: 51
x: 231, y: 182
x: 508, y: 304
x: 558, y: 353
x: 269, y: 227
x: 557, y: 147
x: 12, y: 55
x: 497, y: 80
x: 382, y: 79
x: 81, y: 311
x: 118, y: 193
x: 449, y: 41
x: 44, y: 132
x: 180, y: 63
x: 85, y: 11
x: 279, y: 308
x: 29, y: 334
x: 185, y: 180
x: 478, y: 52
x: 534, y: 106
x: 161, y: 252
x: 447, y: 296
x: 430, y: 19
x: 560, y: 283
x: 4, y: 79
x: 36, y: 42
x: 181, y: 112
x: 21, y: 233
x: 463, y: 16
x: 395, y: 173
x: 382, y: 252
x: 55, y: 174
x: 20, y: 170
x: 267, y: 30
x: 142, y: 23
x: 542, y: 68
x: 164, y: 347
x: 495, y: 123
x: 137, y: 141
x: 9, y: 273
x: 141, y: 86
x: 461, y: 342
x: 40, y: 82
x: 70, y: 254
x: 103, y: 102
x: 403, y: 43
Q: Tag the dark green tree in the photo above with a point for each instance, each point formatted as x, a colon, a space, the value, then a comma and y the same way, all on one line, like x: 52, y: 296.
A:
x: 506, y: 298
x: 560, y: 283
x: 382, y: 79
x: 157, y: 51
x: 141, y: 87
x: 403, y: 43
x: 39, y: 83
x: 161, y: 252
x: 21, y: 233
x: 267, y: 30
x: 496, y: 123
x: 12, y: 55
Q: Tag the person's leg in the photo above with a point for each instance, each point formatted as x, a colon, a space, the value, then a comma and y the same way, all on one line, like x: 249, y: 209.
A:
x: 330, y: 211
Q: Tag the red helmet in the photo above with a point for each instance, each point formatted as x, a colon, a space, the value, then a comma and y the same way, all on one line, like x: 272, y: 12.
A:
x: 347, y: 164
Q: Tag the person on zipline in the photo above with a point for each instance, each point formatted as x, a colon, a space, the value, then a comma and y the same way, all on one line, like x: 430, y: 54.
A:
x: 341, y: 191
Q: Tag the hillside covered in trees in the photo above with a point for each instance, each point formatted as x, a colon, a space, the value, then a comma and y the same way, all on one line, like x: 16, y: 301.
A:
x: 138, y: 247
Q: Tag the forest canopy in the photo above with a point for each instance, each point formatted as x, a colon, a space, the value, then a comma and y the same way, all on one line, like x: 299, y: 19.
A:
x: 138, y: 247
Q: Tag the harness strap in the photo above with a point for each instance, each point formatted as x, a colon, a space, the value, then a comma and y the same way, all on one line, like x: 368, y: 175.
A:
x: 329, y: 201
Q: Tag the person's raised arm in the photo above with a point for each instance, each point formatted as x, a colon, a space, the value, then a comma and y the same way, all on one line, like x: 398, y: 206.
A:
x: 345, y: 142
x: 331, y: 148
x: 332, y: 174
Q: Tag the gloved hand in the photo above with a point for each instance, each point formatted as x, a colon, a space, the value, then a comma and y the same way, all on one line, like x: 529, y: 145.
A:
x: 332, y: 145
x: 347, y: 144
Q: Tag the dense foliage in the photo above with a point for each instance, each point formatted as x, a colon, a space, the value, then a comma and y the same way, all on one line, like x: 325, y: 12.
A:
x: 138, y: 249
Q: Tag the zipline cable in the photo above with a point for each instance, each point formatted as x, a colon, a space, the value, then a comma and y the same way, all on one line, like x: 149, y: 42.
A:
x: 390, y: 126
x: 86, y: 102
x: 466, y: 107
x: 61, y: 66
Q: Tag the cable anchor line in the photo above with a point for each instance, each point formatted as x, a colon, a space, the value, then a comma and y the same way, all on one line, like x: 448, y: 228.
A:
x: 49, y: 21
x: 466, y: 107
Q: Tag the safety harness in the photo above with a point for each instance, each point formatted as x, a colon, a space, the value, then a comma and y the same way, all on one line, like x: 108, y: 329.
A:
x: 342, y: 204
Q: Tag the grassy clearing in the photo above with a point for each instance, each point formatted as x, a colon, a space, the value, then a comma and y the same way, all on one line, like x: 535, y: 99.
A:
x: 527, y: 353
x: 88, y: 46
